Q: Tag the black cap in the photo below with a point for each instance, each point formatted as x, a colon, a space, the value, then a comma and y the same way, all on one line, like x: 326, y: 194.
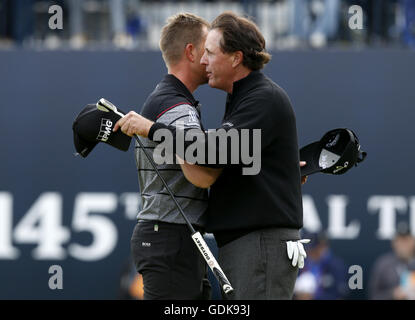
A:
x: 92, y: 126
x: 335, y: 153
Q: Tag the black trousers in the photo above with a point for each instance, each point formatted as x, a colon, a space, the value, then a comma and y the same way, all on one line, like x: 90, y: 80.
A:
x: 169, y: 261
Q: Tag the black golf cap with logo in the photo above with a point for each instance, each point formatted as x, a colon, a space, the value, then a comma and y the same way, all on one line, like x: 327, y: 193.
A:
x: 92, y: 126
x: 336, y: 153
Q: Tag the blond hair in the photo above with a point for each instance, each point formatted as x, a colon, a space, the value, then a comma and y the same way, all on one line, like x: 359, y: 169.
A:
x: 181, y: 29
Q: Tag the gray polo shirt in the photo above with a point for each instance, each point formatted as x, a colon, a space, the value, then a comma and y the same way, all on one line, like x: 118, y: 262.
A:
x: 156, y: 201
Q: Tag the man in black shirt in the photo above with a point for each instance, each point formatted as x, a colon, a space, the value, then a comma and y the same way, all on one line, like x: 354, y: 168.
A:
x: 256, y: 217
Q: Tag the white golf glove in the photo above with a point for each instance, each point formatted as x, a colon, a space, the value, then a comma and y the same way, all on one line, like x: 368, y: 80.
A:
x: 296, y: 252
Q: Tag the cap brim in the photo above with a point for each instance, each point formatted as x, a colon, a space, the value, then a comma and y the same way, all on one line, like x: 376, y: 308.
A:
x: 310, y: 153
x: 83, y: 147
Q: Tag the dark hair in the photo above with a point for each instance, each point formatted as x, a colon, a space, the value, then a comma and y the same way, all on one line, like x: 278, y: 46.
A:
x: 242, y: 34
x: 180, y: 30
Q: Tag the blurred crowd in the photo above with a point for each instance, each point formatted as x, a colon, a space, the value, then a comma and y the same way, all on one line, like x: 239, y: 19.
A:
x: 393, y: 274
x: 135, y: 24
x: 326, y: 277
x: 26, y: 23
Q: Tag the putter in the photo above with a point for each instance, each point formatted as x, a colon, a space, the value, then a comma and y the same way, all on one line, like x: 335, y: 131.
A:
x: 106, y: 106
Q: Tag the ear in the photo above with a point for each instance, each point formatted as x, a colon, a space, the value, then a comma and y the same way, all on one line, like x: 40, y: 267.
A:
x: 237, y: 59
x: 189, y: 52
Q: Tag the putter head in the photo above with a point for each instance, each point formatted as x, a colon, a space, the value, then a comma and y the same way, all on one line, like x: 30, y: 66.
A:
x: 106, y: 106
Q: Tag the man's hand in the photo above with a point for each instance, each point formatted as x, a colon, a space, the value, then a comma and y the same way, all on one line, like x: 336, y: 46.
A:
x: 303, y: 178
x: 296, y: 252
x: 133, y: 123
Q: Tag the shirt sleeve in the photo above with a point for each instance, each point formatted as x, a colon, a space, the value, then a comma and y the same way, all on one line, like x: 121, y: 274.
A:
x: 183, y: 115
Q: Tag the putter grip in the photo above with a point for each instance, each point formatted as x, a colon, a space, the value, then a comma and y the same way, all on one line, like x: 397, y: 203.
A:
x: 223, y: 281
x: 212, y: 263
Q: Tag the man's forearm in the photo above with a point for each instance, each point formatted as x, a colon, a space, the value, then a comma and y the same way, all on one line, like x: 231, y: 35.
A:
x: 199, y: 176
x: 213, y: 147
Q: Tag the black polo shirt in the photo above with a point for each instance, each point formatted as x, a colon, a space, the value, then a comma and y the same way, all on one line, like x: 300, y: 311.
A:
x: 239, y: 203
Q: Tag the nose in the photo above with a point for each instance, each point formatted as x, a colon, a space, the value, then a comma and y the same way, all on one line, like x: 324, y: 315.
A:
x: 203, y: 60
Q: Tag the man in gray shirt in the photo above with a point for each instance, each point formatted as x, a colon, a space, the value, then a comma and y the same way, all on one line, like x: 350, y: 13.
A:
x: 162, y: 248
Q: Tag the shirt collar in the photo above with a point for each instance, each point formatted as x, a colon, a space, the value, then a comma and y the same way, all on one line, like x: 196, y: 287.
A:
x: 240, y: 87
x: 245, y: 84
x: 174, y: 81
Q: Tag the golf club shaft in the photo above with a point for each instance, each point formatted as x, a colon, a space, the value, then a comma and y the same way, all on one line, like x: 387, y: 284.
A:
x: 198, y: 239
x: 192, y: 230
x: 196, y: 236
